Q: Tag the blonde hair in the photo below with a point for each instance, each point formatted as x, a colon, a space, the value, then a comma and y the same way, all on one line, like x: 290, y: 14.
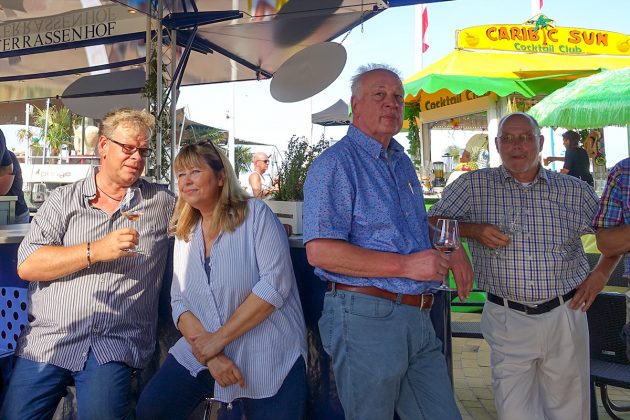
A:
x: 140, y: 120
x: 231, y: 208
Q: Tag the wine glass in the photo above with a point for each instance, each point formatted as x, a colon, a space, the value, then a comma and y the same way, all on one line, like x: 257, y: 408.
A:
x: 131, y: 209
x: 446, y: 240
x: 511, y: 224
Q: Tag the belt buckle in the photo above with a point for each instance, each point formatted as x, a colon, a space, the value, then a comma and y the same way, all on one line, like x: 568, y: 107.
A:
x: 531, y: 308
x: 422, y: 301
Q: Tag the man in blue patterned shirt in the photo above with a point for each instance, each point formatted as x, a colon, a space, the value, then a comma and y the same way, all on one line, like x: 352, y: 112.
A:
x: 524, y: 225
x: 366, y: 232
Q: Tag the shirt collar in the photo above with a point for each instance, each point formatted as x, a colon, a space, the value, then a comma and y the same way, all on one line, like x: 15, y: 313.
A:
x: 89, y: 184
x: 370, y: 145
x: 542, y: 174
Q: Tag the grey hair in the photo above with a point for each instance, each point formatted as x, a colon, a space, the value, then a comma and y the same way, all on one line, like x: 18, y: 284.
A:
x: 531, y: 119
x: 355, y: 82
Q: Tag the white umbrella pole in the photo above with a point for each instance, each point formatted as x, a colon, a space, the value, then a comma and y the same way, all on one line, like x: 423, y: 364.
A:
x: 232, y: 127
x: 46, y: 130
x: 28, y: 140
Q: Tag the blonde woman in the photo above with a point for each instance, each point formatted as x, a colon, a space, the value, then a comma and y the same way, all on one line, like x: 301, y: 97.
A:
x: 234, y: 299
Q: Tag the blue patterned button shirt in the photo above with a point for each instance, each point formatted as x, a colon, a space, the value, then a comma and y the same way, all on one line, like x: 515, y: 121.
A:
x: 361, y: 193
x: 614, y: 206
x: 545, y: 258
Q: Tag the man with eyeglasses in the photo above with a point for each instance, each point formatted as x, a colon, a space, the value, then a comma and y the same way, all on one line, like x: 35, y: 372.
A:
x: 523, y: 225
x: 92, y: 299
x: 260, y: 185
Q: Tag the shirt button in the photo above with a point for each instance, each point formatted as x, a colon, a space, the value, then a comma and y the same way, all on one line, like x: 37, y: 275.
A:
x: 95, y: 329
x: 84, y: 354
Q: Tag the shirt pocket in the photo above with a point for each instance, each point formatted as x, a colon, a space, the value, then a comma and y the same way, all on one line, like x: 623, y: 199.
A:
x: 556, y: 228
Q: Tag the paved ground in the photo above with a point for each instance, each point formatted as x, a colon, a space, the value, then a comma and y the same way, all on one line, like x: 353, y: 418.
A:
x: 471, y: 369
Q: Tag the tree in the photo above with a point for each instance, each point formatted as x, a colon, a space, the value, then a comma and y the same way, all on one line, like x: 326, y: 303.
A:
x: 60, y: 129
x: 242, y: 158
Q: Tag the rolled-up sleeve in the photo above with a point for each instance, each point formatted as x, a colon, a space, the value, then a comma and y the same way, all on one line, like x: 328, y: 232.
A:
x: 47, y: 228
x: 272, y: 256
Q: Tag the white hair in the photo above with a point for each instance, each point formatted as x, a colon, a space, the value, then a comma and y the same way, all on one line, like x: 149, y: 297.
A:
x: 355, y: 82
x: 531, y: 119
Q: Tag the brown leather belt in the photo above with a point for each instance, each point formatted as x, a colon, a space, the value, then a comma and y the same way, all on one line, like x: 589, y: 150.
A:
x: 420, y: 301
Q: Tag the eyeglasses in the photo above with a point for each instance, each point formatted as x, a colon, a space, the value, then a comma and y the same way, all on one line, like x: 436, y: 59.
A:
x: 130, y: 150
x: 266, y: 161
x: 521, y: 138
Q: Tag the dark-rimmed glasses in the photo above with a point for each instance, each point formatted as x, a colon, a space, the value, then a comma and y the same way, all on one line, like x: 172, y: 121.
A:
x: 130, y: 150
x: 265, y: 160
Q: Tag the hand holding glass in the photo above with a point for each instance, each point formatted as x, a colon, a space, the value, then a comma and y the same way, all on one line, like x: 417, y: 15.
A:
x: 511, y: 224
x: 131, y: 209
x: 446, y: 239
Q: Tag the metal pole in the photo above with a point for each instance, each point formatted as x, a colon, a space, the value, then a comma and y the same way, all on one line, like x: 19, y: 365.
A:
x: 28, y: 139
x: 232, y: 133
x: 46, y: 130
x: 149, y: 53
x: 158, y: 96
x: 83, y: 136
x: 173, y: 110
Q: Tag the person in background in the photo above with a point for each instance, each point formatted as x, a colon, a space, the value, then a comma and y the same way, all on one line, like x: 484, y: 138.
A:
x: 612, y: 220
x: 234, y: 299
x: 92, y: 300
x: 6, y: 165
x: 260, y: 186
x: 476, y: 151
x: 523, y: 225
x: 11, y: 185
x: 576, y: 161
x: 367, y: 234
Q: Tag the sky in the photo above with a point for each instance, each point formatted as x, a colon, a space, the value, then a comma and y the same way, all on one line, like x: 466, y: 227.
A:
x: 387, y: 38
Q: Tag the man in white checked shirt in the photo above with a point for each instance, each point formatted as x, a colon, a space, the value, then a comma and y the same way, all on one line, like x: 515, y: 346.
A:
x: 523, y: 225
x: 92, y: 302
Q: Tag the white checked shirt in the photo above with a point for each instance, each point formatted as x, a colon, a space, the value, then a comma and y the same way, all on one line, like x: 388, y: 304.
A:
x: 545, y: 258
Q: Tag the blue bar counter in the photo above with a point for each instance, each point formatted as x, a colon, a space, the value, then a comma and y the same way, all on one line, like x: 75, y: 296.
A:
x: 322, y: 402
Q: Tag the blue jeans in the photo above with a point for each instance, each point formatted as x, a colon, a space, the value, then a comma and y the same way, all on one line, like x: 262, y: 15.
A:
x: 173, y: 393
x: 35, y: 389
x: 386, y: 359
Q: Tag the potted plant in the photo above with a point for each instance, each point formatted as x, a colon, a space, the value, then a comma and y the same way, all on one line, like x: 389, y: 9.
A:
x: 287, y: 202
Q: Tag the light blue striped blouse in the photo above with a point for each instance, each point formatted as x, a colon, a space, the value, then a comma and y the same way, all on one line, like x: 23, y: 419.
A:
x: 254, y: 258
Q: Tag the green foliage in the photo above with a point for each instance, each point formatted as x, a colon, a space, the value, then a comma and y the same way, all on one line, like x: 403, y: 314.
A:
x: 292, y: 173
x: 415, y: 148
x: 149, y: 91
x: 61, y: 124
x: 242, y: 157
